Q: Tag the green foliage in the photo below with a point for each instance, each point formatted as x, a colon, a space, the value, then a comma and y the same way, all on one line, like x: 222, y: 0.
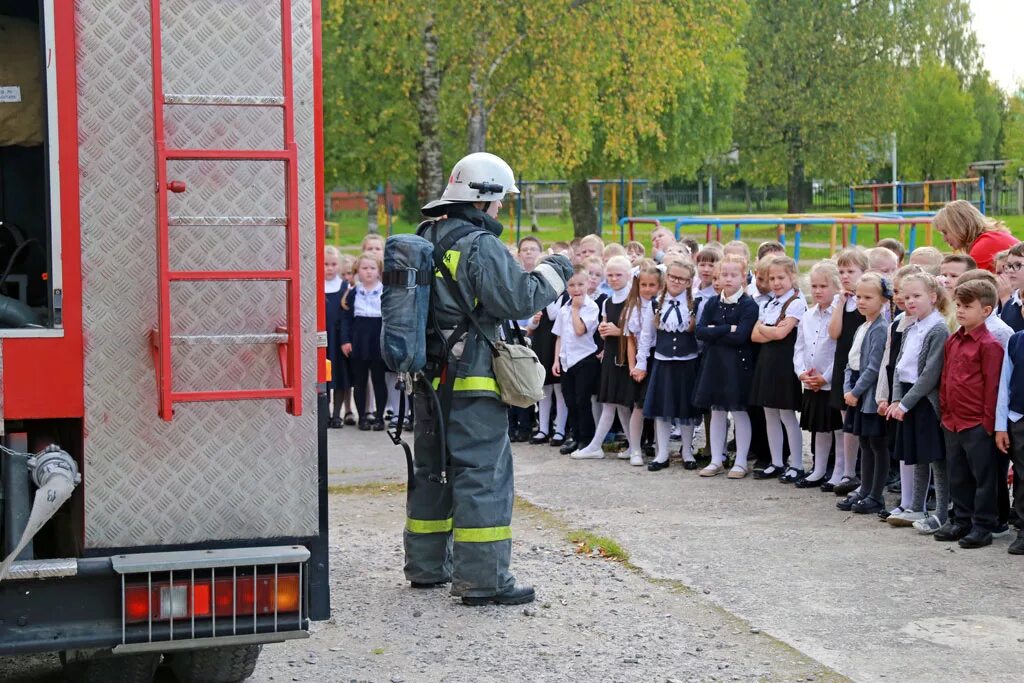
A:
x: 938, y: 129
x: 1013, y: 135
x: 989, y: 110
x: 820, y: 88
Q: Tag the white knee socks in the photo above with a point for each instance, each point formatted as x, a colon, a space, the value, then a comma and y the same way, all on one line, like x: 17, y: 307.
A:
x: 822, y: 446
x: 718, y: 433
x: 561, y: 411
x: 544, y: 411
x: 774, y: 420
x: 851, y: 448
x: 907, y: 485
x: 636, y: 429
x: 604, y: 425
x: 662, y: 434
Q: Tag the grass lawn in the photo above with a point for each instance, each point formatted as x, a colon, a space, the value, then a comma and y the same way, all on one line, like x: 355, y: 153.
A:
x: 346, y: 230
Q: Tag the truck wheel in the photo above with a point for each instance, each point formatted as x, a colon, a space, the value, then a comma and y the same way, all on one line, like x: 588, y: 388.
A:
x: 125, y: 669
x: 215, y: 664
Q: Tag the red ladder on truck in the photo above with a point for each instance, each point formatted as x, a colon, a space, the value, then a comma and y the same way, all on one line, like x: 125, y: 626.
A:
x: 286, y: 337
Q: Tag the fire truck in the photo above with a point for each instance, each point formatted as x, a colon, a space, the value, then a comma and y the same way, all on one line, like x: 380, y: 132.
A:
x: 163, y: 491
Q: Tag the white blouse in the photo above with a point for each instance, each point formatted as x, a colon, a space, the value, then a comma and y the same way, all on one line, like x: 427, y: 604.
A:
x: 772, y: 311
x: 367, y: 301
x: 814, y: 348
x: 576, y: 347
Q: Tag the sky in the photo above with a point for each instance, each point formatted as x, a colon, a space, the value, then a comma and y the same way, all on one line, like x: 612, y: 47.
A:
x: 999, y: 25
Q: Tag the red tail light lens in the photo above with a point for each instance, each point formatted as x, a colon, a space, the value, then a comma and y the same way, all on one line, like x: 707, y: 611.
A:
x: 219, y: 598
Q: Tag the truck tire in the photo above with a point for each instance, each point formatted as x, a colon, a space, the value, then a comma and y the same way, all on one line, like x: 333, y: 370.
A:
x: 215, y: 664
x: 125, y: 669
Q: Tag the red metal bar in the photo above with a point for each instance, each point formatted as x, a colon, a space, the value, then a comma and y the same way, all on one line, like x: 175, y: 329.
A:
x: 318, y: 174
x: 231, y: 395
x: 952, y: 191
x: 228, y: 154
x: 874, y: 198
x: 163, y: 370
x: 708, y: 234
x: 220, y: 275
x: 292, y: 212
x: 878, y: 232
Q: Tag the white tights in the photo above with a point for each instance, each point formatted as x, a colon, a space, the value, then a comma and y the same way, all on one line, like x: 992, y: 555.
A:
x: 822, y: 446
x: 561, y: 413
x: 662, y: 435
x: 846, y: 456
x: 774, y: 420
x: 719, y: 425
x: 633, y: 422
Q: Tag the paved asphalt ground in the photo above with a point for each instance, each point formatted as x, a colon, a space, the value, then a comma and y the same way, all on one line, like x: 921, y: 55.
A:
x: 727, y: 580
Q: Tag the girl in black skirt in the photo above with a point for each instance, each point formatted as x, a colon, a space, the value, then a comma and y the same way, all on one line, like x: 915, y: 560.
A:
x: 360, y: 339
x: 862, y: 419
x: 640, y: 356
x: 915, y: 395
x: 813, y: 356
x: 727, y: 367
x: 775, y: 386
x: 335, y: 287
x: 543, y: 344
x: 615, y: 390
x: 674, y: 375
x: 845, y: 320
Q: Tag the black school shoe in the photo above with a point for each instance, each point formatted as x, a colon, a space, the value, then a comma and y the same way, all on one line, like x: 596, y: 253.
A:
x: 557, y: 440
x: 364, y: 424
x: 846, y: 486
x: 350, y: 419
x: 378, y: 426
x: 539, y: 438
x: 770, y: 472
x: 951, y: 531
x: 792, y: 476
x: 568, y: 447
x: 335, y: 423
x: 846, y: 504
x: 978, y: 538
x: 867, y: 506
x: 689, y: 464
x: 656, y: 466
x: 1017, y: 547
x: 516, y: 595
x: 828, y: 487
x: 807, y: 483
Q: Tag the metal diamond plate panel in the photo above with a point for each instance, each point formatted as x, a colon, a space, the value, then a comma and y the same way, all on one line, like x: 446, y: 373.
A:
x: 218, y: 471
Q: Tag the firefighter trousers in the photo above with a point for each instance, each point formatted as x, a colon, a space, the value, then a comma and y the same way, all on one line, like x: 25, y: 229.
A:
x: 461, y: 532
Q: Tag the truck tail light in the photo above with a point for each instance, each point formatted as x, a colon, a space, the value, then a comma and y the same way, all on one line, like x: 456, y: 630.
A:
x: 221, y: 597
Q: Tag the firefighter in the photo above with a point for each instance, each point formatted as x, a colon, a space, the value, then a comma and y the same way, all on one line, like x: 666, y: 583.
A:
x: 459, y: 531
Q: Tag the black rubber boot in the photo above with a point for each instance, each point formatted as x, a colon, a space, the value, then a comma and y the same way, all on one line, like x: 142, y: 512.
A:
x: 519, y: 594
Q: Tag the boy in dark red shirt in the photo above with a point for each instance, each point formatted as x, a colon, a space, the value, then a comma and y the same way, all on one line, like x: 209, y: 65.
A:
x: 967, y: 400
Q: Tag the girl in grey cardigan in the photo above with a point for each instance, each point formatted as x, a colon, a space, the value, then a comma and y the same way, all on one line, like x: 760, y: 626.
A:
x: 915, y: 401
x: 862, y: 419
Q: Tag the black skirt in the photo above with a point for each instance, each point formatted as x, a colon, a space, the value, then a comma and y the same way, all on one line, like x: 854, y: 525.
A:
x: 860, y: 423
x: 616, y: 386
x: 919, y: 437
x: 670, y: 393
x: 775, y: 385
x: 640, y: 388
x: 817, y: 414
x: 851, y: 321
x: 543, y: 344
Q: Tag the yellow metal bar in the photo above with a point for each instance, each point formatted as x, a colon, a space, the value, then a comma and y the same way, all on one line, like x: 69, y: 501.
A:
x: 615, y: 204
x: 832, y: 240
x: 928, y: 233
x: 903, y: 233
x: 926, y: 186
x: 629, y: 198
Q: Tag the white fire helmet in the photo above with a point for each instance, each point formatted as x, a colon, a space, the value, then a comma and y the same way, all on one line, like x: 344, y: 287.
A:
x: 477, y: 177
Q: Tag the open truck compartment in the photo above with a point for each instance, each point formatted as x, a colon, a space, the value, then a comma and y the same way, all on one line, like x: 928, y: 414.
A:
x: 166, y: 187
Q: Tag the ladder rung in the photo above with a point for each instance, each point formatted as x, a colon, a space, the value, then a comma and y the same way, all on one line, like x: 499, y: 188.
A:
x: 227, y: 220
x: 225, y: 100
x: 231, y: 395
x: 245, y: 338
x: 204, y: 275
x: 228, y: 154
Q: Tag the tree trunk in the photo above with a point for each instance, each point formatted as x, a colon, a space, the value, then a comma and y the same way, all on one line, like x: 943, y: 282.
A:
x: 371, y: 212
x: 477, y: 124
x: 796, y: 201
x: 430, y: 178
x: 581, y: 208
x: 661, y: 200
x: 746, y: 196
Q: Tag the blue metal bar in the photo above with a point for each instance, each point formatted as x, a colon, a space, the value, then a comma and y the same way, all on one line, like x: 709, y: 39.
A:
x: 853, y: 234
x: 981, y: 189
x: 913, y: 237
x: 796, y: 243
x: 736, y: 234
x: 853, y: 204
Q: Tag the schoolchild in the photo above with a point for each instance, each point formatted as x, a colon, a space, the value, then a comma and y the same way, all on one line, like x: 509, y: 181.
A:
x: 615, y: 390
x: 996, y: 326
x: 335, y: 288
x: 669, y: 330
x: 636, y: 252
x: 760, y: 451
x: 742, y: 249
x: 1014, y: 270
x: 703, y: 285
x: 543, y: 343
x: 360, y: 339
x: 952, y: 267
x: 884, y: 261
x: 775, y: 387
x: 915, y: 398
x: 874, y: 292
x: 1003, y: 287
x: 639, y: 355
x: 576, y: 358
x: 771, y: 247
x: 521, y: 420
x: 883, y: 392
x: 896, y: 247
x: 813, y: 355
x: 846, y: 320
x: 928, y: 258
x: 373, y: 243
x: 967, y: 397
x: 1009, y: 435
x: 726, y: 370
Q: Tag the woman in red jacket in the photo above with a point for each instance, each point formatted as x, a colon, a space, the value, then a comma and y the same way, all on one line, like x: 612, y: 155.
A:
x: 967, y: 229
